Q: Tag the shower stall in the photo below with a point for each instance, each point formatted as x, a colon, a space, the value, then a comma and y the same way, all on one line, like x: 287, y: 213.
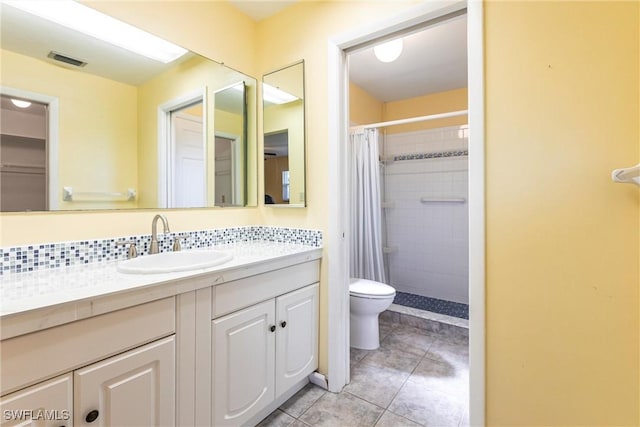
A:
x: 424, y: 184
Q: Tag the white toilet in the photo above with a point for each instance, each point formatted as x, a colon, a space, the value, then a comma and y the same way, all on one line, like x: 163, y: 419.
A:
x: 367, y: 300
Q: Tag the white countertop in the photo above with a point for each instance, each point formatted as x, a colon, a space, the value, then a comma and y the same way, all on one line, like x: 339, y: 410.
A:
x: 45, y: 298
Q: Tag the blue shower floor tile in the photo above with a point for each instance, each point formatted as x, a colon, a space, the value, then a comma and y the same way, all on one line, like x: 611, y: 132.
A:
x: 434, y: 305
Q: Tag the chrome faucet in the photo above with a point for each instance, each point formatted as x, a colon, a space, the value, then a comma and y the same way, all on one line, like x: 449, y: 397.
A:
x: 153, y: 248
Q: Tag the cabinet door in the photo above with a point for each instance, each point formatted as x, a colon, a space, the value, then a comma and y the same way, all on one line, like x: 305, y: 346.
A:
x: 243, y: 370
x: 136, y: 388
x: 48, y: 404
x: 297, y: 338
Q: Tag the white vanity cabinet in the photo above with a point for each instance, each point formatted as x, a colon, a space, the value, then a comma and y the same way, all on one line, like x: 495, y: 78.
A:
x: 115, y: 369
x: 135, y: 388
x: 262, y: 352
x: 213, y: 349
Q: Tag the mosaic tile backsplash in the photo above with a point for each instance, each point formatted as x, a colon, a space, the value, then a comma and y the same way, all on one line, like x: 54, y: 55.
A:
x: 20, y: 259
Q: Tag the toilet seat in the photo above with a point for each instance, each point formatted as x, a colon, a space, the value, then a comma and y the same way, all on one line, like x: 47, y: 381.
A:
x: 364, y: 288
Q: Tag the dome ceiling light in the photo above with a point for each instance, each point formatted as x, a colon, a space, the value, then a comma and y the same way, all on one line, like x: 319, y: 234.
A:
x: 389, y: 51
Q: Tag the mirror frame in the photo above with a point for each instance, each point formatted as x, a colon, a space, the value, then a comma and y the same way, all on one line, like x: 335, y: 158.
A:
x: 303, y: 203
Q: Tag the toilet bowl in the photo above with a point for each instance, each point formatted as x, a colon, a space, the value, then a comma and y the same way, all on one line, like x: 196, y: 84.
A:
x: 367, y: 300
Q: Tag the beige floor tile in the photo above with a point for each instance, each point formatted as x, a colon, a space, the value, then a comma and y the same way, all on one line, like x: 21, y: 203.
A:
x: 277, y: 419
x: 389, y: 419
x: 442, y: 376
x: 453, y: 352
x: 427, y: 407
x: 342, y: 409
x: 393, y: 358
x: 375, y: 384
x: 302, y: 400
x: 298, y: 423
x: 356, y: 355
x: 409, y: 340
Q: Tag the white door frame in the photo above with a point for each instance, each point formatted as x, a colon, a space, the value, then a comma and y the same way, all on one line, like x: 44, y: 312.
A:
x: 53, y: 114
x: 338, y: 228
x: 164, y: 138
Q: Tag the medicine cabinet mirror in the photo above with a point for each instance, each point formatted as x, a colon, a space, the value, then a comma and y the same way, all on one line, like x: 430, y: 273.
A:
x: 284, y: 137
x: 112, y: 129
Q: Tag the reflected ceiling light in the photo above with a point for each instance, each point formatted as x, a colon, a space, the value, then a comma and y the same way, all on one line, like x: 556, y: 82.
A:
x: 389, y: 51
x: 88, y: 21
x: 20, y: 103
x: 276, y: 96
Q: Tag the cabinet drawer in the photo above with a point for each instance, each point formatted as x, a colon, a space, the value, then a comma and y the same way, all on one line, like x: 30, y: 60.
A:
x: 51, y: 402
x: 30, y: 358
x: 242, y: 293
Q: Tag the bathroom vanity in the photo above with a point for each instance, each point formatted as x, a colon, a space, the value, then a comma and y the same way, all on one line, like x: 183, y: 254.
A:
x: 88, y: 345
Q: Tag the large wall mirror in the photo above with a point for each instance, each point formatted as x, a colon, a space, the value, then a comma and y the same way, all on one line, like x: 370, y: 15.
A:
x: 107, y: 128
x: 284, y: 137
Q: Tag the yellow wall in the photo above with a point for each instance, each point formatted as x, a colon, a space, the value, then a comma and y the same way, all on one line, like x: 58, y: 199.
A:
x: 89, y: 106
x: 363, y: 107
x: 228, y: 123
x: 442, y: 102
x: 562, y: 97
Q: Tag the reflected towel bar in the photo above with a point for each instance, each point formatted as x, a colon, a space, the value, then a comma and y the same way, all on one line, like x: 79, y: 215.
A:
x: 442, y: 200
x: 68, y: 195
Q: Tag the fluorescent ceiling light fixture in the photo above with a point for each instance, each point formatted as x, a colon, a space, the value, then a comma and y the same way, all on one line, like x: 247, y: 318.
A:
x: 81, y: 18
x: 389, y: 51
x: 276, y: 96
x: 20, y: 103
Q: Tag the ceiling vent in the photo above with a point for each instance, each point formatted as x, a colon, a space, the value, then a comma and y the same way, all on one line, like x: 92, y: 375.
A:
x: 66, y: 59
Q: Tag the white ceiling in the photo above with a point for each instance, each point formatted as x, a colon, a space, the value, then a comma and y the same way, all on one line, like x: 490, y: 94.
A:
x: 432, y: 60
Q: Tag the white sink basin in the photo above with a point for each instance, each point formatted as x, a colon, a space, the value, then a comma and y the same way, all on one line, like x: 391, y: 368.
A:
x: 167, y: 262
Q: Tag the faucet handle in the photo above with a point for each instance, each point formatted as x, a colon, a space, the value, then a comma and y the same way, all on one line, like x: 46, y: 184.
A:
x: 176, y: 241
x: 132, y: 252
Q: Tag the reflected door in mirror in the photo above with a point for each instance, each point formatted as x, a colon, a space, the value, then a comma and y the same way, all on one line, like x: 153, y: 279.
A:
x: 276, y: 168
x: 187, y: 176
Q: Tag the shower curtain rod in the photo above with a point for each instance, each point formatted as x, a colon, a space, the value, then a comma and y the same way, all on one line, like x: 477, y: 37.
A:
x: 412, y: 120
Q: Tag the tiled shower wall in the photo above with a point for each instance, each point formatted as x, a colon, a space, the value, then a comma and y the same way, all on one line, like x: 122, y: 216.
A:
x: 429, y: 242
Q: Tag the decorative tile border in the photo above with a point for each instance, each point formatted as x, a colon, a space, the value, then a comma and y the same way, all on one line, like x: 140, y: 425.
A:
x: 26, y: 258
x: 435, y: 155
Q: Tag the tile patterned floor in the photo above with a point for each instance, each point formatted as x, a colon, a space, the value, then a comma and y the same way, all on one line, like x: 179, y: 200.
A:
x: 415, y: 378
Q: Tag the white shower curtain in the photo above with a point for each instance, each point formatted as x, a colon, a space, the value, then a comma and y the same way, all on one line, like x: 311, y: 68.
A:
x: 366, y: 212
